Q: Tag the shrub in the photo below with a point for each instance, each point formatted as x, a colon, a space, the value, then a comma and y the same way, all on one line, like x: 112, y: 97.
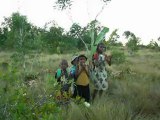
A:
x: 118, y: 57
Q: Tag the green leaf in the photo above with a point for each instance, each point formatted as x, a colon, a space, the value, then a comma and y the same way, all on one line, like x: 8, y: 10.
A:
x: 101, y: 35
x: 99, y: 38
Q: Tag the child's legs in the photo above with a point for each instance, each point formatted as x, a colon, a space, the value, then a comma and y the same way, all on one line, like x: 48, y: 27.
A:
x: 79, y: 90
x: 86, y: 93
x: 100, y: 93
x: 94, y: 94
x: 75, y: 92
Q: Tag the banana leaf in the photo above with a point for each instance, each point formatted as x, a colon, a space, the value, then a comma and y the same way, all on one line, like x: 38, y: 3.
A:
x: 95, y: 41
x: 101, y: 35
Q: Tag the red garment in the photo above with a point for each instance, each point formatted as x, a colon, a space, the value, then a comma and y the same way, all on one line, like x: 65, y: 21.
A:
x: 95, y: 56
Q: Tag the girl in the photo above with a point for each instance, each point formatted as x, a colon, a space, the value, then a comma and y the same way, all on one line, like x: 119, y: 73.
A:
x: 99, y: 70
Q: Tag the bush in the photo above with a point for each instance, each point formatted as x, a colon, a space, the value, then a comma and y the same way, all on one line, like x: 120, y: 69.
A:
x: 118, y: 57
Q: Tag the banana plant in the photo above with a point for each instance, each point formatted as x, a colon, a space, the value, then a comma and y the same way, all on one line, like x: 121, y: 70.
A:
x: 98, y: 39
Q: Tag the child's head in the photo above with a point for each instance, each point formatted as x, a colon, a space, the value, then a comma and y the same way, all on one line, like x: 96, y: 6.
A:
x: 74, y: 60
x: 82, y: 58
x: 101, y: 48
x: 64, y: 64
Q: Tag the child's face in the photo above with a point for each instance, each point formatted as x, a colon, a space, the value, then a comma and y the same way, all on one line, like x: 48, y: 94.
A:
x: 64, y: 65
x: 75, y: 61
x: 101, y: 48
x: 82, y: 60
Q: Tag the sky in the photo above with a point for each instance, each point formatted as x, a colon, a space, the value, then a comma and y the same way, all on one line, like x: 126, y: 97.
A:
x: 138, y: 16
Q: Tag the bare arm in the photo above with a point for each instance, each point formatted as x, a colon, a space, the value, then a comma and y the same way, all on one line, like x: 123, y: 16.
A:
x: 86, y: 68
x: 108, y: 59
x: 81, y: 68
x: 78, y: 71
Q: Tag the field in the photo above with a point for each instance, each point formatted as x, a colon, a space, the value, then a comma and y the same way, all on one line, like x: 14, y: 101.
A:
x: 133, y: 94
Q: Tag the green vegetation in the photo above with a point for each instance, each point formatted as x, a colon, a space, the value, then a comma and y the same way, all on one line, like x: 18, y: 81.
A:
x: 133, y: 90
x: 30, y: 55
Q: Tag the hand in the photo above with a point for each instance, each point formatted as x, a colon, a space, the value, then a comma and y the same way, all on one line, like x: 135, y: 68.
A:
x: 110, y: 57
x: 82, y: 64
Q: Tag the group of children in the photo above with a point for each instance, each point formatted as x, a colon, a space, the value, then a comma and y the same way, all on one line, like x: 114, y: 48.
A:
x: 83, y: 73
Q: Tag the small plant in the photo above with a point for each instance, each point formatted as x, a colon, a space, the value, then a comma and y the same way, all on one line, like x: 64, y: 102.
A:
x: 118, y: 57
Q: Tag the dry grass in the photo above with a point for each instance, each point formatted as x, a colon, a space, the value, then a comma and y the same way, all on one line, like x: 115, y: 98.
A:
x: 133, y: 93
x: 132, y: 96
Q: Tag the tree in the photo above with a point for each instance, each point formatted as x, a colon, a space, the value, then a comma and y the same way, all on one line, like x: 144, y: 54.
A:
x: 3, y: 37
x: 133, y: 41
x: 79, y: 33
x: 52, y: 38
x: 21, y: 36
x: 64, y: 4
x: 18, y: 31
x: 75, y: 30
x: 97, y: 34
x: 113, y: 39
x: 153, y: 45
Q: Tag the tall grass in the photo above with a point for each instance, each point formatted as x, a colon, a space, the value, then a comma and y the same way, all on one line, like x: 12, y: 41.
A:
x: 133, y: 94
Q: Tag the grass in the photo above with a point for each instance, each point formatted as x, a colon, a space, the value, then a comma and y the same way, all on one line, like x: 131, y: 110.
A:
x: 133, y: 93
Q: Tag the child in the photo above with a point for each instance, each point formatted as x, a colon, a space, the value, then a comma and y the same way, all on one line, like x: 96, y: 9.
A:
x: 74, y: 62
x: 62, y: 75
x: 82, y: 82
x: 99, y: 71
x: 72, y: 72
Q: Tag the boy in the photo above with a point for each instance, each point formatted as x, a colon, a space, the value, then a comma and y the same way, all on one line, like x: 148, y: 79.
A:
x: 82, y: 82
x: 62, y: 75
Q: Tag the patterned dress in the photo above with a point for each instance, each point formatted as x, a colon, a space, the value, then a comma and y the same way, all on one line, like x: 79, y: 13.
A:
x: 99, y: 72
